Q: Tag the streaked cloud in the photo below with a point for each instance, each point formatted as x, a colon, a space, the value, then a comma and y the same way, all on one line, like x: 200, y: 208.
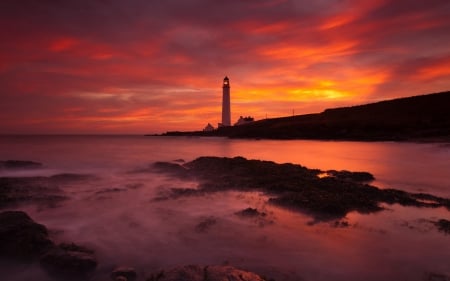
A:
x: 151, y: 66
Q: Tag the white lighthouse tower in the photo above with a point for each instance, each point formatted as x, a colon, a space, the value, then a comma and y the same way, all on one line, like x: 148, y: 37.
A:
x: 226, y: 111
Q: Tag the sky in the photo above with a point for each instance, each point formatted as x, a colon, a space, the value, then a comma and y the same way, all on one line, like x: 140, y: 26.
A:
x: 146, y: 66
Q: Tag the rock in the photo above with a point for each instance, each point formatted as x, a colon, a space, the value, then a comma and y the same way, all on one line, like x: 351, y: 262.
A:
x: 19, y: 164
x: 69, y: 261
x: 124, y: 273
x: 351, y: 176
x: 202, y: 273
x: 443, y: 225
x: 297, y: 187
x: 250, y: 213
x: 205, y: 225
x: 18, y: 190
x: 21, y: 237
x: 171, y: 168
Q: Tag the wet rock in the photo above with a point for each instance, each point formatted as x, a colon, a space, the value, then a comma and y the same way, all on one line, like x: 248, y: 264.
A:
x: 21, y: 237
x: 340, y: 224
x: 299, y: 188
x: 171, y: 168
x: 124, y: 273
x: 205, y: 273
x: 351, y: 176
x: 443, y: 225
x: 250, y: 213
x: 205, y: 225
x: 40, y: 190
x: 259, y: 218
x: 19, y: 164
x: 175, y: 193
x: 69, y: 261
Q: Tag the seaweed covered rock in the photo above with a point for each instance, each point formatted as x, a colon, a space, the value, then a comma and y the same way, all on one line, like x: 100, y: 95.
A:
x: 202, y: 273
x: 21, y: 237
x: 298, y: 187
x: 69, y: 261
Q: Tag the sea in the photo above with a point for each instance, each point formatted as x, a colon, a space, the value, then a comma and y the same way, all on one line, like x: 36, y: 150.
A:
x: 119, y: 213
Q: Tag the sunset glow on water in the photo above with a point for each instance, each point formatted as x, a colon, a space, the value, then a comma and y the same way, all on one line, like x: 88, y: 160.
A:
x: 121, y: 215
x: 151, y: 135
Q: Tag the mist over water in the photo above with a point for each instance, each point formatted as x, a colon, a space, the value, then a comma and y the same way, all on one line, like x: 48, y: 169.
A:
x: 123, y: 212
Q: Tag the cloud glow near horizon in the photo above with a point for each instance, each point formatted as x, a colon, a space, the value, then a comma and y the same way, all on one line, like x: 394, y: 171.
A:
x: 153, y: 66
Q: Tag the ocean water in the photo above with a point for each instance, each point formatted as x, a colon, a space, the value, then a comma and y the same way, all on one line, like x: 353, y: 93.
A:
x: 117, y: 213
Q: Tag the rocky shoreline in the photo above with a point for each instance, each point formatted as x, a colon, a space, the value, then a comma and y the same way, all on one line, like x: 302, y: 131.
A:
x: 24, y: 240
x: 323, y: 195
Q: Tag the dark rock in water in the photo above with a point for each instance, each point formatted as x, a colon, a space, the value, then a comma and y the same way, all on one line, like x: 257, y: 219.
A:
x: 205, y: 225
x: 443, y: 225
x: 171, y: 168
x: 21, y: 237
x: 297, y: 187
x: 69, y: 261
x: 202, y: 273
x: 40, y: 190
x: 260, y: 218
x: 175, y: 193
x: 251, y: 213
x: 127, y: 273
x: 72, y: 247
x: 19, y: 164
x: 351, y: 176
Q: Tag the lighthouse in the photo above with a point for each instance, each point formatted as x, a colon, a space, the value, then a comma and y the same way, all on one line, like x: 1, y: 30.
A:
x: 226, y: 111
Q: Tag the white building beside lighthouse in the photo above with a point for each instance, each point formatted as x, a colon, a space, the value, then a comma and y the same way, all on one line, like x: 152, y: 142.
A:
x: 226, y: 110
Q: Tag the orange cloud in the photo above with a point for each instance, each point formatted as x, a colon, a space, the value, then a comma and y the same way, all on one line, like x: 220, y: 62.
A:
x: 102, y: 70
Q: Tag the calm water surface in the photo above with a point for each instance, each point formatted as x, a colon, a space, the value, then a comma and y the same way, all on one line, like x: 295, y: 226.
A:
x: 130, y: 227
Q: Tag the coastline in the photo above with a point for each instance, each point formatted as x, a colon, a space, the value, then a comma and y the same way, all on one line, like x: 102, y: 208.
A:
x: 423, y: 118
x: 222, y: 181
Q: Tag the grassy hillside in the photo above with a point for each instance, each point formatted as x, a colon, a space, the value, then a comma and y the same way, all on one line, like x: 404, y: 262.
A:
x: 424, y: 117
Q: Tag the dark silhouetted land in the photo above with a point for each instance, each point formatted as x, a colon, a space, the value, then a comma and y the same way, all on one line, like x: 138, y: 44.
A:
x: 418, y: 118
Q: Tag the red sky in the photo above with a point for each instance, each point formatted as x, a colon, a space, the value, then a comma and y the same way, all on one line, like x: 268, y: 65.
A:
x: 144, y: 66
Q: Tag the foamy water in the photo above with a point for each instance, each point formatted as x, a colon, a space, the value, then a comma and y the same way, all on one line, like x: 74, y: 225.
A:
x: 117, y: 214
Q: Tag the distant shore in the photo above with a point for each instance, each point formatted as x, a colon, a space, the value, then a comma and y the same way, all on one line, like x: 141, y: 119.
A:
x: 424, y: 118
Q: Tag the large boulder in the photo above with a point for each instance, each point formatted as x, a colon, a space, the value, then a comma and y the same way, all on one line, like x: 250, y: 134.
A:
x: 206, y: 273
x: 21, y: 237
x: 69, y: 261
